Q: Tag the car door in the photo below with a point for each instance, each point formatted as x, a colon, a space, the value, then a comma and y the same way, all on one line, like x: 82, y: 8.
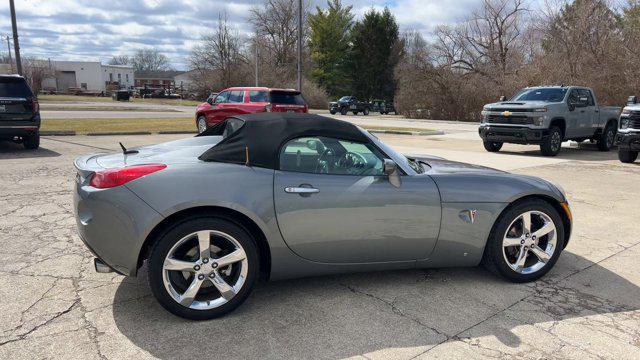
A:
x: 216, y: 112
x: 575, y: 116
x: 331, y: 208
x: 591, y: 116
x: 235, y: 105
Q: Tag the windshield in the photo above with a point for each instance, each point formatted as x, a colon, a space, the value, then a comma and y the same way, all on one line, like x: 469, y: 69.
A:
x: 416, y: 166
x: 345, y: 98
x: 14, y: 87
x: 547, y: 95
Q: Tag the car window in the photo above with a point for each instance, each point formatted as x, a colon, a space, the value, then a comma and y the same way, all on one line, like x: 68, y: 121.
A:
x: 236, y: 96
x: 584, y: 93
x: 258, y: 96
x: 287, y: 98
x: 223, y: 97
x: 574, y: 97
x: 14, y: 87
x: 322, y: 155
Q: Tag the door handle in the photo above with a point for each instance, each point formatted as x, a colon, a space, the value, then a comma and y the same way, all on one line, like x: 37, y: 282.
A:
x: 301, y: 190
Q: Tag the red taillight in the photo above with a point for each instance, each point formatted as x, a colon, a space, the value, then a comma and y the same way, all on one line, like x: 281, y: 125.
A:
x: 35, y: 106
x: 115, y: 177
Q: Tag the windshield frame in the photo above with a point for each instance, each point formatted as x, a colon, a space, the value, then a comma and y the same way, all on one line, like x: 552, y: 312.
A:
x: 403, y: 162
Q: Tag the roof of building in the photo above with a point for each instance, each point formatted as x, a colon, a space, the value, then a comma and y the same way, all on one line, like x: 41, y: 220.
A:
x: 157, y: 74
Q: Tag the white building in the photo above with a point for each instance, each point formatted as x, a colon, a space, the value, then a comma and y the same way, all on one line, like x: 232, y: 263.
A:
x: 89, y: 76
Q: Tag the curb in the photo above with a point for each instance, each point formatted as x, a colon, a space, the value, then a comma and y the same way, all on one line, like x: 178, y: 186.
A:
x: 57, y: 133
x: 119, y: 133
x: 414, y: 133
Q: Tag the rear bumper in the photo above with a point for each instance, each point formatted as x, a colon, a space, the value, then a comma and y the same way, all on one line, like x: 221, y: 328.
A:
x: 515, y: 135
x: 12, y: 128
x: 628, y: 141
x: 113, y: 223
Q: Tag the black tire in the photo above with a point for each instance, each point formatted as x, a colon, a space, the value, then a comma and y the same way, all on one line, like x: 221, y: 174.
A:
x: 553, y: 143
x: 332, y: 112
x: 493, y: 258
x: 492, y: 146
x: 366, y: 111
x: 343, y: 111
x: 174, y: 234
x: 31, y: 142
x: 606, y: 139
x: 627, y: 156
x: 355, y: 112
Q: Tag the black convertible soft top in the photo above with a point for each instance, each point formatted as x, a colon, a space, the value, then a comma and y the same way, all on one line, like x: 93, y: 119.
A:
x: 258, y: 141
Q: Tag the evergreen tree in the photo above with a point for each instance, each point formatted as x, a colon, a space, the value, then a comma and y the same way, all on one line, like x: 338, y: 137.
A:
x: 329, y: 45
x: 375, y: 53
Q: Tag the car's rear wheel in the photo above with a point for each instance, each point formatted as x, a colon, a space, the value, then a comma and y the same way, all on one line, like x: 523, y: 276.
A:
x: 203, y: 268
x: 552, y: 144
x: 343, y: 111
x: 202, y: 124
x: 31, y: 142
x: 627, y: 156
x: 525, y: 242
x: 492, y: 146
x: 605, y: 141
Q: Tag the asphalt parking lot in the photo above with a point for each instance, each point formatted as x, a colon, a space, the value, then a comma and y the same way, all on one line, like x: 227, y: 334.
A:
x: 55, y: 306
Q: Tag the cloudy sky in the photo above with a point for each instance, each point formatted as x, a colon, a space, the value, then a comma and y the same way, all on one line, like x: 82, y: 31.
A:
x: 94, y: 30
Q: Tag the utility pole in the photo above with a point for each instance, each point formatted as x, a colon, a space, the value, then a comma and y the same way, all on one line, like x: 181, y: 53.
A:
x: 9, y: 49
x: 257, y: 60
x: 299, y: 45
x: 16, y: 44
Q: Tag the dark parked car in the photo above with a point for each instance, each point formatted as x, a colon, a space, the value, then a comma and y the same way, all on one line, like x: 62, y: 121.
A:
x: 383, y: 107
x: 349, y: 103
x: 121, y: 95
x: 19, y: 112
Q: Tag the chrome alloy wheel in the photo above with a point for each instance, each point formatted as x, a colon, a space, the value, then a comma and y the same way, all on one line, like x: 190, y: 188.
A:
x: 530, y: 242
x: 610, y: 136
x: 202, y: 125
x: 205, y: 269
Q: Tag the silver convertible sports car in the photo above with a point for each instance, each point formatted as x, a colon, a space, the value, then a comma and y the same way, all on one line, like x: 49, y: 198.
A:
x: 277, y: 196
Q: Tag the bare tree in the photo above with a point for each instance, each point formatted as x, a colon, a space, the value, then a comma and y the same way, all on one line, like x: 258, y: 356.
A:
x: 120, y: 60
x: 150, y: 60
x: 220, y: 58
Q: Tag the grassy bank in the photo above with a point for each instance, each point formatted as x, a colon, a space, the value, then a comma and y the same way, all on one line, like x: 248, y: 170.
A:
x: 84, y: 126
x: 56, y: 107
x: 73, y: 98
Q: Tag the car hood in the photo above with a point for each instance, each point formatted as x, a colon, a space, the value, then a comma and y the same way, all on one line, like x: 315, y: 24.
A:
x: 172, y: 152
x: 443, y: 166
x: 517, y: 105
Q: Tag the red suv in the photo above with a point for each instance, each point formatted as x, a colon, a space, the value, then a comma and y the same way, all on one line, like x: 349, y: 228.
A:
x: 247, y: 100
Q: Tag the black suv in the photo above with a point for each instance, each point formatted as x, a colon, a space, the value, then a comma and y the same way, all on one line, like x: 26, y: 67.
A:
x: 19, y: 112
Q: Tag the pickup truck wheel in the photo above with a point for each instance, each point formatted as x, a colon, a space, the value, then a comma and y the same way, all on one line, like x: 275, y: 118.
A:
x: 366, y: 111
x: 605, y: 141
x: 31, y: 142
x: 332, y: 112
x: 627, y: 156
x: 343, y: 111
x: 492, y: 146
x: 552, y: 144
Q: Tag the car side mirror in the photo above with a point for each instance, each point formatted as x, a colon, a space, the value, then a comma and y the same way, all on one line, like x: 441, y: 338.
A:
x: 392, y: 171
x: 572, y: 106
x: 503, y: 98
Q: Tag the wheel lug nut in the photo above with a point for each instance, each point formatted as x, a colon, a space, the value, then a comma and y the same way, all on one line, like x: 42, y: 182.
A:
x: 214, y: 265
x: 212, y: 275
x: 200, y: 277
x: 205, y: 260
x: 196, y: 268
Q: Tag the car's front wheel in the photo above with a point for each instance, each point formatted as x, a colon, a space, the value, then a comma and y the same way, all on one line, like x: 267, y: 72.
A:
x: 552, y: 144
x: 525, y: 242
x: 203, y: 267
x: 492, y: 146
x: 343, y: 111
x: 627, y: 156
x: 202, y: 124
